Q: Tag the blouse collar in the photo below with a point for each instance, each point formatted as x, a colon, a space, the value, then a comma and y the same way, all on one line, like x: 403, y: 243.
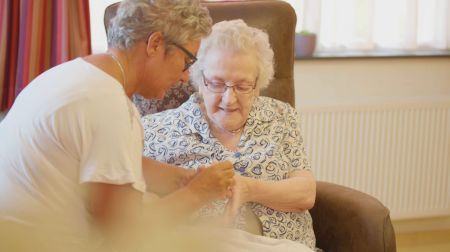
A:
x: 261, y: 112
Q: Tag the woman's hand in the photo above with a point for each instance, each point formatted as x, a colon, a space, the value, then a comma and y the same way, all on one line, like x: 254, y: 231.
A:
x: 295, y: 194
x: 239, y: 195
x: 212, y: 183
x: 188, y: 175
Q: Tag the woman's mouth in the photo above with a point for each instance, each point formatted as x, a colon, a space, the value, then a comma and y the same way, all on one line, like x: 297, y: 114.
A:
x: 228, y: 110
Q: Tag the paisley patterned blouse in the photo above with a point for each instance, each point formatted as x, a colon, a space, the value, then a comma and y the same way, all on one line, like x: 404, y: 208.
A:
x: 270, y: 148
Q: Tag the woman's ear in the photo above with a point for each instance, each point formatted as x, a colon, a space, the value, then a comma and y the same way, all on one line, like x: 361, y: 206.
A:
x: 155, y: 43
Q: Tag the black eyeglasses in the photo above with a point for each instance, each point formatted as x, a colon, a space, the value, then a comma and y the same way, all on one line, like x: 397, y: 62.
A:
x: 222, y: 88
x: 193, y: 58
x: 187, y: 64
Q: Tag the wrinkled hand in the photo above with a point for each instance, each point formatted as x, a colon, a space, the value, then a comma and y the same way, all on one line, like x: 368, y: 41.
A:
x: 212, y: 183
x: 188, y: 175
x: 240, y: 192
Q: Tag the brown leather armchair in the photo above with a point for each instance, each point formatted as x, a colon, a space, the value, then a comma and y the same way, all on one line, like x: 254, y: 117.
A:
x: 344, y: 219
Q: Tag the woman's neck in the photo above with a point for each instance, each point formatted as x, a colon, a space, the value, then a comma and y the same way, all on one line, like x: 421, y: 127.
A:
x: 227, y: 139
x: 129, y: 68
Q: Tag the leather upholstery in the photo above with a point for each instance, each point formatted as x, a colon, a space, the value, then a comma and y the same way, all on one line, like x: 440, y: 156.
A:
x: 344, y: 219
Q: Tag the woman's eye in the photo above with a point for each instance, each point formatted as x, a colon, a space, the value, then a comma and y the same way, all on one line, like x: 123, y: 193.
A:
x: 243, y: 88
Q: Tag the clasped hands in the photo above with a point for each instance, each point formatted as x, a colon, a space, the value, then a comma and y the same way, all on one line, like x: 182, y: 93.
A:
x: 218, y: 181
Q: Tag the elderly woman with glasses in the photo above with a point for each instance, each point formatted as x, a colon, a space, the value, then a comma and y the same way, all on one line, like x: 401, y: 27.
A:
x: 72, y: 172
x: 228, y: 120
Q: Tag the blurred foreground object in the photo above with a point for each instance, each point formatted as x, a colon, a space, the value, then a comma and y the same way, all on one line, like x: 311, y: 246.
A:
x: 186, y: 238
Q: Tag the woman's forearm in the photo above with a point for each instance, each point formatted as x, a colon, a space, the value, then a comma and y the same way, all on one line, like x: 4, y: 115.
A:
x: 295, y: 194
x: 162, y: 178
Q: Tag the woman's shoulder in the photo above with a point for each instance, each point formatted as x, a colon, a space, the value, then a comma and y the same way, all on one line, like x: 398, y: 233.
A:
x: 273, y: 107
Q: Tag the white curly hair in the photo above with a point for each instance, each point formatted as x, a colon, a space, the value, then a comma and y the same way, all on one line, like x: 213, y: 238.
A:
x: 236, y: 36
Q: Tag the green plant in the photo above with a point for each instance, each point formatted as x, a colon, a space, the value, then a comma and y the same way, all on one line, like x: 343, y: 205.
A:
x: 306, y: 32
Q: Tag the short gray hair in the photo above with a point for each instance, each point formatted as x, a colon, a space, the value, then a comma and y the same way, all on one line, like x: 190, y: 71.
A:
x: 237, y: 36
x: 180, y: 21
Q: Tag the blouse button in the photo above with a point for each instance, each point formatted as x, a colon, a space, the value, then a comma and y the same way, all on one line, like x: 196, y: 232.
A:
x: 238, y: 154
x: 242, y: 169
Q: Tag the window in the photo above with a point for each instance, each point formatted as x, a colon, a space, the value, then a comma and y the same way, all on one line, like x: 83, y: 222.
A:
x: 343, y: 25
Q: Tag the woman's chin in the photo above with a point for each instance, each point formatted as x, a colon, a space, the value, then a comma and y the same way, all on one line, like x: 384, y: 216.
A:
x: 159, y: 96
x: 230, y: 127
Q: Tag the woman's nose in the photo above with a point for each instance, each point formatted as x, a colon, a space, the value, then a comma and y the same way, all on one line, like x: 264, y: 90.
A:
x: 185, y: 76
x: 229, y: 96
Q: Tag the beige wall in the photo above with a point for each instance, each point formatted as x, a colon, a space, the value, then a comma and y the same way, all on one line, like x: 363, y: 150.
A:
x: 362, y: 79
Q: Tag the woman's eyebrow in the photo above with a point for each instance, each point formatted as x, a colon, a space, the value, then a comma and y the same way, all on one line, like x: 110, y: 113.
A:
x: 214, y: 77
x: 245, y: 80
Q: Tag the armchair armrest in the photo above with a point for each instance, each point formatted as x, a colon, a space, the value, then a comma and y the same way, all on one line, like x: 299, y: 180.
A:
x: 345, y: 219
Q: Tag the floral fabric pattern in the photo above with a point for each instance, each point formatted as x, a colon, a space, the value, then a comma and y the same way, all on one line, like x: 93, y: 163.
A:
x: 270, y: 149
x: 172, y: 99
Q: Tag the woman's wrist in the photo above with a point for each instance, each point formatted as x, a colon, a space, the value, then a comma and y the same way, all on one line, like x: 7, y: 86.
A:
x: 248, y: 189
x: 183, y: 177
x: 193, y: 196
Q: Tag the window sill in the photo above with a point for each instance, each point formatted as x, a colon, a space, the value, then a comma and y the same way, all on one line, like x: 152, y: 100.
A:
x: 376, y: 54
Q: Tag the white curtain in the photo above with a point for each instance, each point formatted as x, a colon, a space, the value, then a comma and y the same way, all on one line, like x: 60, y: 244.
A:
x: 375, y: 24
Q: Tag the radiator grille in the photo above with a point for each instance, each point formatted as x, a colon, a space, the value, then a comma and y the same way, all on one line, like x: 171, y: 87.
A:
x: 397, y: 152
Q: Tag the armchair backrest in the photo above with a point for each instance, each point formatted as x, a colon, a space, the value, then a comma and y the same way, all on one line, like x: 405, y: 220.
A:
x: 277, y: 18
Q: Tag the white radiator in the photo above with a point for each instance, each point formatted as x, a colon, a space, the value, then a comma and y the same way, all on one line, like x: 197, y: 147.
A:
x: 396, y: 151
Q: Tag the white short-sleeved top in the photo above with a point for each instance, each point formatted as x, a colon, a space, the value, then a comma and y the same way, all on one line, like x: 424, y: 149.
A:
x: 71, y: 125
x: 270, y: 148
